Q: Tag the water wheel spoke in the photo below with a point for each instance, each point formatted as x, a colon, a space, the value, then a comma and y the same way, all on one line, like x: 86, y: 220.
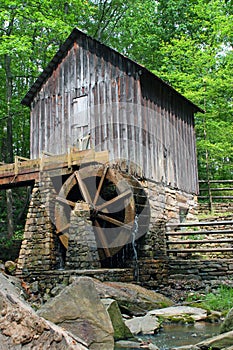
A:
x: 83, y: 188
x: 100, y: 185
x: 111, y: 197
x: 114, y: 221
x: 65, y: 240
x: 114, y: 200
x: 66, y: 201
x: 102, y: 238
x: 64, y: 228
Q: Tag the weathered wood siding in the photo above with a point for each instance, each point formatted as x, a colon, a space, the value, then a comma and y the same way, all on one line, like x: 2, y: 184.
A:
x: 127, y: 111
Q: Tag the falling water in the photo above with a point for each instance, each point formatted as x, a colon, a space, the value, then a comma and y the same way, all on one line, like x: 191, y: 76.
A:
x: 135, y: 253
x: 123, y: 256
x: 60, y: 257
x: 60, y: 265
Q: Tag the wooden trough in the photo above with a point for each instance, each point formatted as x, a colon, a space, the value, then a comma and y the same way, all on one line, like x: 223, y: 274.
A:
x: 25, y: 171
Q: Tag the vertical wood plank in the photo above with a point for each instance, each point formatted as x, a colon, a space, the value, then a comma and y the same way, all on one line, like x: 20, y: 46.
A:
x: 155, y: 130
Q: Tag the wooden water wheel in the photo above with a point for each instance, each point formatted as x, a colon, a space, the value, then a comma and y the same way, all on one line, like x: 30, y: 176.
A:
x: 115, y: 200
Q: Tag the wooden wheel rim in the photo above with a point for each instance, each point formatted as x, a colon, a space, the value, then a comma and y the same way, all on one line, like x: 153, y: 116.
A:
x: 118, y: 232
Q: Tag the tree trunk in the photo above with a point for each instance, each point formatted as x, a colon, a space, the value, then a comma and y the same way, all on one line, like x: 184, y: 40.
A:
x: 10, y: 220
x: 9, y: 143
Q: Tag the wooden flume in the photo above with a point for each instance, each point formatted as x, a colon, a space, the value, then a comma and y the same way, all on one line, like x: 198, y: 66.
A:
x: 25, y: 170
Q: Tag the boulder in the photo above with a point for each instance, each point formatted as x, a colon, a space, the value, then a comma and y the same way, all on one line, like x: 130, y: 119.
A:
x: 184, y: 314
x: 227, y: 324
x: 186, y: 347
x: 11, y: 284
x: 79, y: 310
x: 147, y: 324
x: 121, y: 331
x: 10, y: 267
x: 224, y: 340
x: 21, y: 327
x: 132, y: 299
x: 152, y: 347
x: 122, y: 344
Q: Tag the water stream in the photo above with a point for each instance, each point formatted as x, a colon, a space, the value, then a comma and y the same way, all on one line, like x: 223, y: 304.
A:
x: 175, y: 335
x: 135, y: 253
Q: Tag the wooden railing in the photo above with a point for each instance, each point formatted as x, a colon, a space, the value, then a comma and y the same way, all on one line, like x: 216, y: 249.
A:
x: 199, y: 237
x: 210, y: 191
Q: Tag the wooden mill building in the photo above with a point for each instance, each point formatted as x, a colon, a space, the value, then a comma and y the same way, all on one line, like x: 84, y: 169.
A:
x: 92, y: 97
x: 90, y: 88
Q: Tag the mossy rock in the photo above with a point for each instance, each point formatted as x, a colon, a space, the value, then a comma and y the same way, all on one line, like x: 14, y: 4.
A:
x: 181, y: 319
x: 180, y: 314
x: 132, y: 299
x: 10, y: 267
x: 227, y: 324
x: 121, y: 331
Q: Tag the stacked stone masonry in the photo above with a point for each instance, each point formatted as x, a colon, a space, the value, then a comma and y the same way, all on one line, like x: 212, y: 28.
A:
x: 202, y: 270
x: 82, y: 252
x: 47, y: 282
x: 40, y: 248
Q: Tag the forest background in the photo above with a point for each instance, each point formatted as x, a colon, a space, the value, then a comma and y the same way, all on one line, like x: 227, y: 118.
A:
x: 187, y: 43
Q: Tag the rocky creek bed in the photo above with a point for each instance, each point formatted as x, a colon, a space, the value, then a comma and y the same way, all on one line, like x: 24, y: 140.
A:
x: 176, y: 335
x: 90, y: 314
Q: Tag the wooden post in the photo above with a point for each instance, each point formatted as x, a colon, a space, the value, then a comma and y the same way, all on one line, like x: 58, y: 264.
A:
x: 210, y: 194
x: 207, y: 155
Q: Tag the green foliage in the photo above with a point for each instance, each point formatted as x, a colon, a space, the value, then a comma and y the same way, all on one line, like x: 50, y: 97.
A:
x: 20, y: 207
x: 187, y: 43
x: 197, y: 60
x: 30, y: 34
x: 220, y: 300
x: 213, y: 215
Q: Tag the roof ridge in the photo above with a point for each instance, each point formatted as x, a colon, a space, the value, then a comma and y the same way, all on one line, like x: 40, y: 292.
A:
x: 60, y: 54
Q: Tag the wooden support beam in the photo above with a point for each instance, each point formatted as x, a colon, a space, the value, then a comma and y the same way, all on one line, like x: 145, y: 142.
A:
x: 26, y: 171
x: 200, y: 241
x: 199, y: 223
x: 192, y: 233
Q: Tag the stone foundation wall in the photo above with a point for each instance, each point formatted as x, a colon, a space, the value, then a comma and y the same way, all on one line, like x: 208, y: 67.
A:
x: 180, y: 206
x: 45, y: 282
x: 151, y: 274
x: 166, y: 205
x: 82, y: 250
x: 38, y: 246
x: 227, y: 217
x: 170, y: 204
x: 202, y: 270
